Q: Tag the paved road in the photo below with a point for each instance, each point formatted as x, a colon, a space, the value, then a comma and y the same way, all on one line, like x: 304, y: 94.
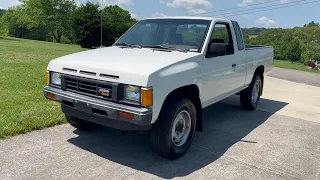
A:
x: 275, y: 142
x: 296, y: 76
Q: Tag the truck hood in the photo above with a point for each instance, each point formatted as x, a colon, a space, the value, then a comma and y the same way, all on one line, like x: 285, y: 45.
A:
x: 125, y: 65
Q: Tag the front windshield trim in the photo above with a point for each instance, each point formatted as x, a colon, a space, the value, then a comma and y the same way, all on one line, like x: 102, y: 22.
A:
x: 199, y: 50
x: 205, y: 36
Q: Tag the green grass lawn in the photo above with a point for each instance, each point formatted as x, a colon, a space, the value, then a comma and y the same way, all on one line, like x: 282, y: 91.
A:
x: 23, y: 65
x: 295, y: 66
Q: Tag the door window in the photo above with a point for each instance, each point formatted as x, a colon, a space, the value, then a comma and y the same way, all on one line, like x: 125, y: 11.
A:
x: 222, y: 34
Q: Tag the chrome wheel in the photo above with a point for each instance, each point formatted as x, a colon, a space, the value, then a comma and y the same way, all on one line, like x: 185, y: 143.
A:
x: 255, y: 93
x: 181, y: 128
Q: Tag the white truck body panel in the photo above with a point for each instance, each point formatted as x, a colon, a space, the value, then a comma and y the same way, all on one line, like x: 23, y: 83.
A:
x: 219, y: 78
x: 216, y: 78
x: 133, y: 66
x: 258, y: 57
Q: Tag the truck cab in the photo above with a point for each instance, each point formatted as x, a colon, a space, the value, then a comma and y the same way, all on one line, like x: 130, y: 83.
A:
x: 158, y: 77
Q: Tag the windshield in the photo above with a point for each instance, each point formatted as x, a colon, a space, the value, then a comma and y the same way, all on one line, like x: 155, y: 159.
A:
x: 180, y: 34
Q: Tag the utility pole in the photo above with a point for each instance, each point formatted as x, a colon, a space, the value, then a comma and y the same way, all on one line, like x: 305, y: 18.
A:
x: 101, y: 36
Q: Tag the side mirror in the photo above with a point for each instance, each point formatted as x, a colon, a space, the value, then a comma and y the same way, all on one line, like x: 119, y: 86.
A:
x: 216, y: 49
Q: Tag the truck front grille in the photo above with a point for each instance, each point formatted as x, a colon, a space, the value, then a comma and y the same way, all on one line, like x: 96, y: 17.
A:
x: 88, y: 87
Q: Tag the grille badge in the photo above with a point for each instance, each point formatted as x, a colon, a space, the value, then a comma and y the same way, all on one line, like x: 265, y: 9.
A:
x: 104, y: 92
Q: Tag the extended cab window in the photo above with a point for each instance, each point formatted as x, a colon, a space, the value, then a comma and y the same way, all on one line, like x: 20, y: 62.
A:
x: 222, y: 34
x: 237, y: 30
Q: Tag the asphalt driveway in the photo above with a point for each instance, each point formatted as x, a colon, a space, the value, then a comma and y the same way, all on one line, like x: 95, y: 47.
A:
x: 296, y: 76
x: 280, y: 140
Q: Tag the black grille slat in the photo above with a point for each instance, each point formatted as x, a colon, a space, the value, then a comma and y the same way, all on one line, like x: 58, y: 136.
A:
x: 87, y: 83
x: 72, y: 86
x: 104, y: 86
x: 72, y: 82
x: 84, y: 89
x: 87, y: 87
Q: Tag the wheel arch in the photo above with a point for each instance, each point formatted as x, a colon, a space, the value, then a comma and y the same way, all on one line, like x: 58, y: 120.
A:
x: 260, y: 71
x: 193, y: 93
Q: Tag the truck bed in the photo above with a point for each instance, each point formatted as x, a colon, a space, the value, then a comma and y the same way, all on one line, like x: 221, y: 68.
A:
x: 262, y: 55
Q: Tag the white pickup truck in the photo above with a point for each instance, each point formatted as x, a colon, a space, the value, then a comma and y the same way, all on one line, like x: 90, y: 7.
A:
x: 158, y: 77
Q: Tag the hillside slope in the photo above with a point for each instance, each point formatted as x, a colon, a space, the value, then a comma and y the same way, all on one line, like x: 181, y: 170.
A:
x: 22, y: 78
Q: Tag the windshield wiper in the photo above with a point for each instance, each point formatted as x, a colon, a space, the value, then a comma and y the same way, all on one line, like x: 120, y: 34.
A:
x: 128, y: 45
x: 160, y: 47
x: 167, y: 48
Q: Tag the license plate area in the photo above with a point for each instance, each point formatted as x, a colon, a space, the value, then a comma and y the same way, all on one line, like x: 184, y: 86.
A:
x: 82, y: 106
x: 86, y: 107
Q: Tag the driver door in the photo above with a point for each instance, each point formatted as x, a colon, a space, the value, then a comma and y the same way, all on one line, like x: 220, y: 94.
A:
x: 218, y: 72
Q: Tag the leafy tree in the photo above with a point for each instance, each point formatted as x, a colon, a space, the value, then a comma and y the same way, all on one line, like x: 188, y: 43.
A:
x: 2, y: 12
x: 313, y: 24
x: 307, y: 34
x: 253, y: 31
x: 14, y: 22
x: 311, y: 51
x: 293, y: 51
x: 55, y: 15
x: 86, y: 25
x: 3, y: 29
x: 17, y: 24
x: 299, y: 43
x: 116, y: 21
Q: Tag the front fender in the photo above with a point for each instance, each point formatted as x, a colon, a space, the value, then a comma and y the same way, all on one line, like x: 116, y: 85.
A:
x: 170, y: 78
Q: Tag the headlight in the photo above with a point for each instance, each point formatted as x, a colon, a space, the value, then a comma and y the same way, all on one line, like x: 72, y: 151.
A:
x: 132, y: 93
x: 55, y: 78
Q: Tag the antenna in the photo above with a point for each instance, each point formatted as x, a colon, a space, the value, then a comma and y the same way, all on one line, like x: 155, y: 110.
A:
x: 101, y: 36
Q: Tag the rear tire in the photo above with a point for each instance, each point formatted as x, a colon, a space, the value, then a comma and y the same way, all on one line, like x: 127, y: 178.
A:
x: 173, y: 132
x: 250, y: 97
x: 80, y: 124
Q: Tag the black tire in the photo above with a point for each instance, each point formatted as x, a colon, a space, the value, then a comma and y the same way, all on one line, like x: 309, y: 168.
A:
x: 80, y: 124
x: 246, y: 95
x: 161, y: 133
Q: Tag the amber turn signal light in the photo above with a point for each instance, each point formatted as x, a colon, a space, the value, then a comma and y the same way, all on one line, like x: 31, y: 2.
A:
x: 126, y: 115
x: 146, y: 97
x: 51, y: 96
x: 47, y: 79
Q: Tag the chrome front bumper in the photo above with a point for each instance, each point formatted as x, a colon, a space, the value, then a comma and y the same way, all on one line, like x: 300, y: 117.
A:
x: 100, y: 111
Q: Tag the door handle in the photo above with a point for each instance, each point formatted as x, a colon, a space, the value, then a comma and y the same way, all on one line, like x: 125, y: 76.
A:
x: 234, y: 65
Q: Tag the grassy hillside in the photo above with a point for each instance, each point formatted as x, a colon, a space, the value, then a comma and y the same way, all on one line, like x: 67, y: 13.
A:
x: 295, y: 66
x: 22, y: 78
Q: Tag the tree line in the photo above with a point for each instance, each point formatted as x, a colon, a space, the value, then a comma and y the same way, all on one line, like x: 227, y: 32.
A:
x: 62, y: 21
x: 293, y: 44
x: 253, y: 31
